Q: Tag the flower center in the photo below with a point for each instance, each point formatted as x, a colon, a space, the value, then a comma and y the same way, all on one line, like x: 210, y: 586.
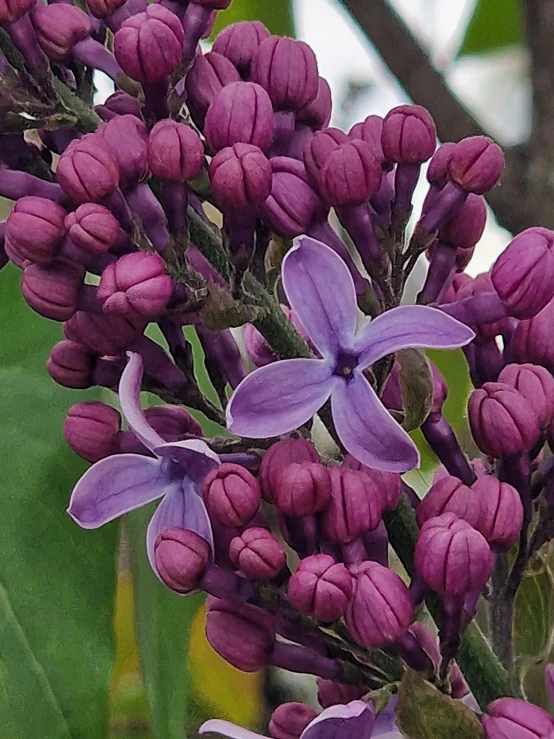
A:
x: 345, y: 365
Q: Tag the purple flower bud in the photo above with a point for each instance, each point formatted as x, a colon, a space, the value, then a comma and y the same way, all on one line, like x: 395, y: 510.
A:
x: 93, y: 228
x: 239, y: 42
x: 351, y: 175
x: 501, y: 512
x: 172, y: 422
x: 409, y: 135
x: 257, y: 553
x: 240, y: 113
x: 536, y: 385
x: 450, y: 495
x: 452, y: 557
x: 317, y: 114
x: 459, y: 282
x: 523, y: 275
x: 240, y: 176
x: 175, y: 151
x: 103, y: 8
x: 35, y: 228
x: 278, y: 457
x: 12, y: 10
x: 136, y: 282
x: 91, y: 429
x: 320, y: 587
x: 105, y: 335
x: 126, y: 137
x: 476, y: 164
x: 387, y: 483
x: 289, y: 720
x: 120, y: 103
x: 482, y: 284
x: 380, y: 610
x: 502, y: 421
x: 370, y: 131
x: 532, y: 339
x: 466, y: 228
x: 59, y: 27
x: 287, y: 69
x: 181, y: 559
x: 232, y: 494
x: 53, y: 290
x: 242, y: 634
x: 437, y: 171
x: 70, y: 365
x: 318, y: 150
x: 149, y: 45
x: 354, y: 508
x: 208, y: 75
x: 331, y: 693
x: 87, y: 169
x: 511, y: 718
x: 304, y: 488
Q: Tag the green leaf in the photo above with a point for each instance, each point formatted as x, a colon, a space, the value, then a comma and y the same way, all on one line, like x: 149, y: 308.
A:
x: 533, y: 614
x: 423, y: 712
x: 495, y: 24
x: 57, y: 582
x: 276, y: 15
x: 163, y: 621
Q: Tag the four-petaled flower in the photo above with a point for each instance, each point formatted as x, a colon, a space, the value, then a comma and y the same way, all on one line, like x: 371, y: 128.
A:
x: 280, y: 397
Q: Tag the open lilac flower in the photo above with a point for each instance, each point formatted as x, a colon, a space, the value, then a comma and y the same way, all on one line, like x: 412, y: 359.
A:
x: 124, y: 482
x: 280, y: 397
x: 356, y: 719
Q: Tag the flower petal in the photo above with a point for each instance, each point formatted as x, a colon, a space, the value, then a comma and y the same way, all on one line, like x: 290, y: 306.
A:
x: 194, y: 456
x: 409, y: 327
x: 356, y: 719
x: 279, y: 397
x: 321, y: 293
x: 129, y: 397
x: 184, y: 508
x: 367, y: 429
x: 226, y: 728
x: 116, y: 485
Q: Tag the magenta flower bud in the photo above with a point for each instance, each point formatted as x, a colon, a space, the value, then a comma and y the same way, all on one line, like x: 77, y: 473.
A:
x: 126, y: 137
x: 59, y: 27
x: 135, y: 282
x: 532, y: 339
x: 120, y: 103
x: 466, y: 228
x: 536, y: 385
x: 380, y: 610
x: 523, y: 275
x: 175, y: 151
x: 304, y: 488
x: 240, y: 176
x: 354, y: 508
x: 87, y: 169
x: 93, y: 228
x: 331, y: 693
x: 450, y: 495
x: 239, y: 42
x: 257, y: 553
x: 103, y: 8
x: 511, y: 718
x: 241, y: 113
x: 53, y: 290
x: 149, y: 45
x: 91, y: 429
x: 501, y: 512
x: 242, y: 634
x: 476, y: 164
x: 208, y: 75
x: 35, y: 228
x: 172, y: 422
x: 278, y: 457
x: 70, y: 365
x: 289, y: 720
x: 320, y: 587
x: 317, y: 114
x: 370, y: 131
x: 452, y: 557
x: 437, y: 171
x: 482, y: 284
x: 409, y: 135
x: 389, y: 484
x: 12, y: 10
x: 287, y: 69
x: 231, y: 494
x: 351, y: 175
x: 319, y: 148
x: 502, y: 421
x: 181, y: 559
x: 104, y: 335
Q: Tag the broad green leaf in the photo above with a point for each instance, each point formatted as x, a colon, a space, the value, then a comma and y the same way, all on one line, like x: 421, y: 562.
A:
x: 57, y: 581
x: 495, y: 24
x: 453, y: 367
x: 276, y: 15
x: 423, y: 712
x: 163, y: 621
x: 533, y: 615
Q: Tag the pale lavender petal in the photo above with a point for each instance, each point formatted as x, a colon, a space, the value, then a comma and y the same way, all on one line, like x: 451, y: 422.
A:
x: 549, y: 679
x: 321, y: 293
x: 183, y: 508
x: 116, y: 485
x: 385, y: 722
x: 226, y: 728
x: 129, y: 397
x: 367, y: 429
x: 279, y: 397
x: 409, y: 326
x: 356, y: 719
x: 194, y: 457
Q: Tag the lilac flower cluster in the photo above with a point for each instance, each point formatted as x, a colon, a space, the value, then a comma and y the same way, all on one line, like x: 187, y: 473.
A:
x: 111, y: 231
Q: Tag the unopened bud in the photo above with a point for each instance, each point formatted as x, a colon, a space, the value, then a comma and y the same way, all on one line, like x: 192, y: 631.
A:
x: 320, y: 587
x: 231, y: 494
x: 90, y: 429
x: 257, y: 553
x: 181, y: 558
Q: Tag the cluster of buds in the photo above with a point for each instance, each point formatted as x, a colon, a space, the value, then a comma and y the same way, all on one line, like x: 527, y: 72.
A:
x: 115, y: 237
